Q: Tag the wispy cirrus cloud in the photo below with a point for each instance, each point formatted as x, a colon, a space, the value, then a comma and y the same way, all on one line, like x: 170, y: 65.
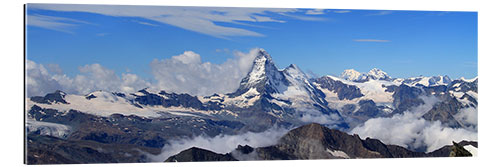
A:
x: 324, y: 11
x: 371, y: 40
x: 381, y: 13
x: 61, y: 24
x: 203, y: 20
x: 315, y: 11
x: 145, y: 23
x: 341, y: 11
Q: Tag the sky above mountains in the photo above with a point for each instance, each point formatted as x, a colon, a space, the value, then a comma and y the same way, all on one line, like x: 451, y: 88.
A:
x: 139, y: 45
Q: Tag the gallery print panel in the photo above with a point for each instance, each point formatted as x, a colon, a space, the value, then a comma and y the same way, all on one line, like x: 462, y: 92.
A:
x: 137, y: 84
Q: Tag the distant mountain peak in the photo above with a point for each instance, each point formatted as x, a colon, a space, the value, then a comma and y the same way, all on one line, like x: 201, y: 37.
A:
x: 352, y: 75
x: 378, y: 74
x: 375, y: 74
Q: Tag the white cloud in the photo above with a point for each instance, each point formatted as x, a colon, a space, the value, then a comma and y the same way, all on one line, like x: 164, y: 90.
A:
x: 313, y: 116
x: 53, y: 23
x: 221, y: 143
x: 315, y: 11
x: 436, y: 135
x: 198, y: 19
x: 54, y: 68
x: 92, y: 77
x: 186, y: 73
x: 381, y: 13
x: 189, y: 57
x: 38, y: 80
x: 410, y: 130
x: 341, y: 11
x: 146, y: 23
x: 468, y: 116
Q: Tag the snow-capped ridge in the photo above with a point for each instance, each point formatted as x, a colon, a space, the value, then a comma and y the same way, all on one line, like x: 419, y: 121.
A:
x: 352, y: 75
x: 356, y: 76
x: 378, y: 74
x: 468, y: 80
x: 427, y: 81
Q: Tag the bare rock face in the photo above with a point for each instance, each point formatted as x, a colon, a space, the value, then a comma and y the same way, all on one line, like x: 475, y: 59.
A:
x: 454, y: 150
x: 344, y: 91
x: 195, y: 154
x: 314, y: 141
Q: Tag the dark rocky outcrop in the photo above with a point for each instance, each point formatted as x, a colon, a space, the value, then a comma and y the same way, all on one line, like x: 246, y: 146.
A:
x: 444, y: 111
x: 368, y: 109
x: 454, y: 150
x: 313, y: 141
x: 51, y: 150
x: 406, y: 97
x: 56, y: 97
x: 195, y: 154
x: 173, y: 100
x: 463, y: 86
x: 344, y: 91
x: 91, y: 96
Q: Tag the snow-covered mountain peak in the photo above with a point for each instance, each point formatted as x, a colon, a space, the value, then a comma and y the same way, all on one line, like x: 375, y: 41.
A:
x: 262, y: 66
x: 374, y: 74
x: 295, y: 72
x: 378, y: 74
x: 352, y: 75
x: 264, y: 76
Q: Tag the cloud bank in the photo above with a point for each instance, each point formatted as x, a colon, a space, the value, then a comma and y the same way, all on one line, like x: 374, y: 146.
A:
x: 410, y: 130
x: 184, y: 73
x: 39, y: 81
x: 222, y: 143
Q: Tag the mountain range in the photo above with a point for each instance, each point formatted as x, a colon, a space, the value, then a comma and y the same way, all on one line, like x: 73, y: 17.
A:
x: 148, y: 119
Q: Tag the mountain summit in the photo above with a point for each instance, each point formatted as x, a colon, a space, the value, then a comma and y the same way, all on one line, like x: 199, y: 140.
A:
x: 286, y: 94
x: 374, y: 74
x: 378, y: 74
x: 264, y: 76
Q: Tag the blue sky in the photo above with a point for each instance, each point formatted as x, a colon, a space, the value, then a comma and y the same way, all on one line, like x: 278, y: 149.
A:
x: 126, y: 39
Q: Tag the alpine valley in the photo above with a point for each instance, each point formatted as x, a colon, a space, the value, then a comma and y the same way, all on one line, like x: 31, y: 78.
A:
x: 321, y: 115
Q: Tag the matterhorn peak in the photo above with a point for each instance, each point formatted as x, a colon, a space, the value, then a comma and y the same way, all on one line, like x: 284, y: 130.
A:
x: 262, y: 54
x: 264, y: 75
